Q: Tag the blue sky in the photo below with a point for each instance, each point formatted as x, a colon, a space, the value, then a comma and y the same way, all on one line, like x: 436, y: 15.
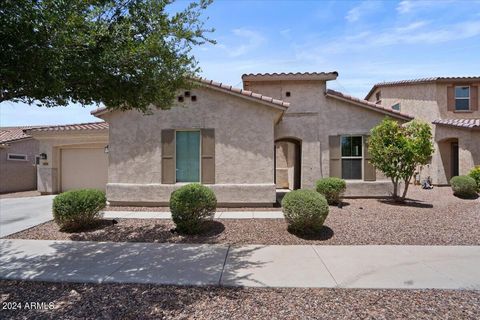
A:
x: 365, y: 41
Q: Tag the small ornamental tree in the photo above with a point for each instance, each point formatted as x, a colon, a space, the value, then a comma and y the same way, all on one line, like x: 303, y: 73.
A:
x: 397, y: 150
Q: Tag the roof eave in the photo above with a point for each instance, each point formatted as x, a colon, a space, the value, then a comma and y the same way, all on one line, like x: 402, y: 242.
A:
x: 386, y: 112
x: 317, y: 76
x: 283, y: 107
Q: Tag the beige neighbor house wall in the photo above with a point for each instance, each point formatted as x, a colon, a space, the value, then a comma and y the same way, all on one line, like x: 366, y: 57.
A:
x: 18, y: 175
x: 52, y: 143
x: 428, y: 102
x: 311, y: 118
x: 244, y: 149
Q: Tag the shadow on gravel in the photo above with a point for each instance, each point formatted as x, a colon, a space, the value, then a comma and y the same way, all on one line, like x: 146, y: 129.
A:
x: 150, y: 233
x: 408, y: 203
x: 471, y: 197
x: 97, y: 225
x: 324, y: 234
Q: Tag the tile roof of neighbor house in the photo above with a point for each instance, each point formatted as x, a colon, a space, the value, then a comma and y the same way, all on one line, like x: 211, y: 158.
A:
x: 72, y: 127
x: 228, y: 89
x: 418, y: 81
x: 461, y: 123
x: 9, y: 134
x: 290, y: 76
x: 368, y: 104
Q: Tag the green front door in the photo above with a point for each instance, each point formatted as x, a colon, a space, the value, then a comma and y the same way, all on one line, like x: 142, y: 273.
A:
x: 188, y: 156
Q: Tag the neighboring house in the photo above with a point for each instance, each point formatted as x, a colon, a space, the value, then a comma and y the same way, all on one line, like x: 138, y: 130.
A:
x: 71, y: 156
x: 17, y: 160
x: 279, y: 131
x: 451, y: 106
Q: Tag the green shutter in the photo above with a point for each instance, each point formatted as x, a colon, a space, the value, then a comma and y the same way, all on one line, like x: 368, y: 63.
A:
x: 187, y: 156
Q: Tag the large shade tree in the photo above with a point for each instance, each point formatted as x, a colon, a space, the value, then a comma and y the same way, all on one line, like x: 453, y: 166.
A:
x: 397, y: 150
x: 127, y: 54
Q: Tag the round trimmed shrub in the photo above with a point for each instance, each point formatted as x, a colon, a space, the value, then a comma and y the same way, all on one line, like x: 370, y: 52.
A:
x: 78, y: 209
x: 305, y: 210
x: 332, y: 189
x: 475, y: 174
x: 191, y: 205
x: 464, y: 186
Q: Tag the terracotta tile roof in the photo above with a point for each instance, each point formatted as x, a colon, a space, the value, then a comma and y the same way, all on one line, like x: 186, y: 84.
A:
x: 72, y: 127
x: 368, y: 104
x: 246, y: 93
x: 229, y: 89
x: 290, y: 76
x: 9, y: 134
x: 462, y: 123
x: 418, y: 81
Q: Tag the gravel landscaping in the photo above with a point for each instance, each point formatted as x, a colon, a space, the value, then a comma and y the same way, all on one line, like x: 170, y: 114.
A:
x: 436, y: 218
x: 129, y: 301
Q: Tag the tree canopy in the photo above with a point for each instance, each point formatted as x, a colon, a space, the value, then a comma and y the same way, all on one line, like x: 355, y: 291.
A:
x: 126, y: 54
x: 397, y: 150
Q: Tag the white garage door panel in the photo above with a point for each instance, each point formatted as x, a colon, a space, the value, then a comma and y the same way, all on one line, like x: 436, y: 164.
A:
x: 84, y: 168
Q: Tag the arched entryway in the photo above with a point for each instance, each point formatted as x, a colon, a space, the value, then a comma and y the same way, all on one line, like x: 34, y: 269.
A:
x: 288, y: 152
x: 449, y: 154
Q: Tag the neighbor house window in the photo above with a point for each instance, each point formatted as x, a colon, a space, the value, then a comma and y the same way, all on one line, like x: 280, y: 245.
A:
x: 187, y: 156
x: 352, y: 157
x: 462, y: 98
x: 17, y: 157
x: 396, y: 106
x: 378, y: 97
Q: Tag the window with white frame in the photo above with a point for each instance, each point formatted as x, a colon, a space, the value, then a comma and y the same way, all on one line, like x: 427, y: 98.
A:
x: 396, y: 106
x: 352, y: 157
x: 462, y: 98
x: 17, y: 157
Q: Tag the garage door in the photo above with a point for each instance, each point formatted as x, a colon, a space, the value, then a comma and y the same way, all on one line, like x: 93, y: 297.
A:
x: 84, y: 168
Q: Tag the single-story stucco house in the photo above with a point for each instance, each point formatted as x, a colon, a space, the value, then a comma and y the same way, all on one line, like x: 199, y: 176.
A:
x: 18, y: 152
x: 278, y: 131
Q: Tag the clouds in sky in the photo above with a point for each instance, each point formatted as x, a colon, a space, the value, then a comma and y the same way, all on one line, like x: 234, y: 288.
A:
x: 241, y: 42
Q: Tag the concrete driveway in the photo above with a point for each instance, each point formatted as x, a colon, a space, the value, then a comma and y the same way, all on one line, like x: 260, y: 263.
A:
x: 17, y: 214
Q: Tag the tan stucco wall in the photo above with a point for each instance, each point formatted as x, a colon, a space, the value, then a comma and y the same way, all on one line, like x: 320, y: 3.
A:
x: 18, y: 175
x: 428, y: 102
x: 312, y: 118
x: 51, y: 143
x: 244, y: 148
x: 468, y: 152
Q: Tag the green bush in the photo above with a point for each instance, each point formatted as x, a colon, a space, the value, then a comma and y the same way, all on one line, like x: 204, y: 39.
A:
x: 305, y: 210
x: 332, y: 189
x: 78, y: 209
x: 464, y: 186
x: 475, y: 174
x: 191, y: 205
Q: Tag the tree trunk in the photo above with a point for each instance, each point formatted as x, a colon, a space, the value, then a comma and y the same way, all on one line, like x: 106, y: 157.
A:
x: 395, y: 189
x: 407, y: 183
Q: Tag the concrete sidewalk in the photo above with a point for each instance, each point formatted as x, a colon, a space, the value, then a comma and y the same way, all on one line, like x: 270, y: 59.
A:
x: 218, y: 215
x: 410, y: 267
x: 18, y: 214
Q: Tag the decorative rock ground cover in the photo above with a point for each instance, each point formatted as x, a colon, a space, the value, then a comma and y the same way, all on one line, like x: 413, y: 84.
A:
x: 436, y: 217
